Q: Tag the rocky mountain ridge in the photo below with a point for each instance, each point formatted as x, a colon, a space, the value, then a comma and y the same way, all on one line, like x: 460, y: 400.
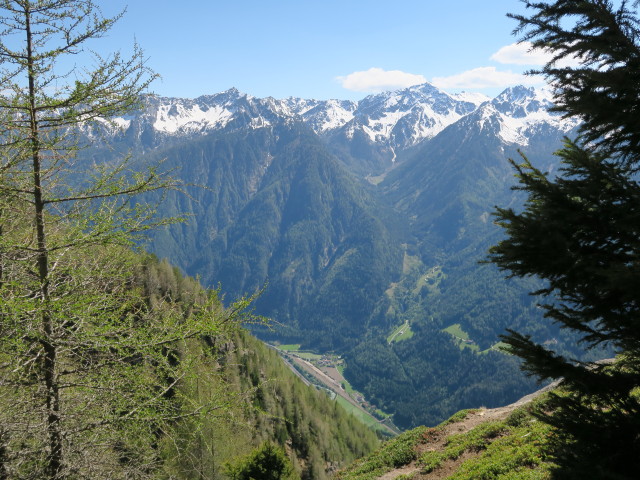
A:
x: 392, y: 121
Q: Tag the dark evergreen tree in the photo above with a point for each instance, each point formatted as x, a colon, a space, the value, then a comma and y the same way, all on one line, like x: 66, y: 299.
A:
x: 580, y: 232
x: 603, y: 89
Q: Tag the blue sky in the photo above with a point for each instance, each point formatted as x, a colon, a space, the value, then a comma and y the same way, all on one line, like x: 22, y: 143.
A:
x: 322, y: 49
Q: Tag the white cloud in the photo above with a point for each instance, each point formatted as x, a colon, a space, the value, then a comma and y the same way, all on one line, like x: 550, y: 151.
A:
x: 524, y: 54
x: 485, y: 77
x: 490, y: 77
x: 521, y: 54
x: 377, y: 80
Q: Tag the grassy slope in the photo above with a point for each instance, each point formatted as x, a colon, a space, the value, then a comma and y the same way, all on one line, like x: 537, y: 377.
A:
x: 503, y: 443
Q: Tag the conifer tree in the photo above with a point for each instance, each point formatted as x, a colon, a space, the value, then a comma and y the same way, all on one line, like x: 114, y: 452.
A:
x: 90, y: 371
x: 579, y: 231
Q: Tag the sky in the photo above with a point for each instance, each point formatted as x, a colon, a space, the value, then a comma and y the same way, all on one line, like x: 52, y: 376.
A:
x: 322, y: 49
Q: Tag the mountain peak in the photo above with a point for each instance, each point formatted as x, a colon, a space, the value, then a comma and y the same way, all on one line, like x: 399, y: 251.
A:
x: 393, y: 120
x: 471, y: 97
x: 521, y: 101
x: 403, y: 118
x: 519, y: 113
x: 426, y: 89
x: 517, y: 92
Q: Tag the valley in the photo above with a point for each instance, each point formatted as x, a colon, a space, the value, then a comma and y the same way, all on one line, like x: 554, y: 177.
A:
x: 361, y: 224
x: 233, y: 286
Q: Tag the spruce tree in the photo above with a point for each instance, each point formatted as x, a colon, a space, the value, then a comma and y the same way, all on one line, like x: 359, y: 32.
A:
x: 579, y: 231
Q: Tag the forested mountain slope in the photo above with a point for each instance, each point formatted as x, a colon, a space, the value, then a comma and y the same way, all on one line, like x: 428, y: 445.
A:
x: 261, y: 400
x: 278, y: 209
x: 356, y: 219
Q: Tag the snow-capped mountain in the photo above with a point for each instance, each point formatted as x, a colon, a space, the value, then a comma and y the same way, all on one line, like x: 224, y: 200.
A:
x: 163, y: 119
x: 519, y: 113
x: 378, y: 126
x: 398, y: 119
x: 178, y: 116
x: 404, y: 118
x: 286, y: 201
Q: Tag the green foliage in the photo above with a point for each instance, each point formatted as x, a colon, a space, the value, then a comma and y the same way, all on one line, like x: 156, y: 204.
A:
x: 88, y: 370
x: 476, y: 439
x: 394, y: 453
x: 268, y: 462
x: 515, y: 454
x: 234, y: 391
x: 271, y: 405
x: 604, y: 36
x: 131, y: 330
x: 519, y: 451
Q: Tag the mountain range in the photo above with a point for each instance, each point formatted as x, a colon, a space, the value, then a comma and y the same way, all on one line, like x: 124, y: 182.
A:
x: 355, y: 218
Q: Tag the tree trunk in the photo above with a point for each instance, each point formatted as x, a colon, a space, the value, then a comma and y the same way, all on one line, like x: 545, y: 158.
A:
x: 52, y: 398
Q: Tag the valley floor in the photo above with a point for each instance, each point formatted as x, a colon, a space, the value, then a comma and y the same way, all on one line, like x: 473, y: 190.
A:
x: 324, y: 372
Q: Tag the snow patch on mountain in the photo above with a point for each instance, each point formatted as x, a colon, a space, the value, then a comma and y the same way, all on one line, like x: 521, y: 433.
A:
x: 379, y: 129
x: 519, y: 112
x: 113, y: 125
x: 519, y: 129
x: 122, y: 123
x: 428, y: 123
x: 475, y: 98
x: 178, y: 117
x: 328, y: 115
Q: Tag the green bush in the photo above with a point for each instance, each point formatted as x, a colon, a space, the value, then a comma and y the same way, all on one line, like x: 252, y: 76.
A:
x: 268, y: 462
